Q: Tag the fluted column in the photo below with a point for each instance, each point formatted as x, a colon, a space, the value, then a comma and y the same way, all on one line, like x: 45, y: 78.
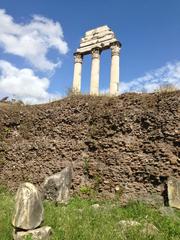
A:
x: 77, y: 72
x: 114, y: 79
x: 94, y: 85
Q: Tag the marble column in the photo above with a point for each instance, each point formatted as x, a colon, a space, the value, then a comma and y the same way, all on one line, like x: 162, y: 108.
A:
x: 114, y: 79
x: 77, y: 72
x: 95, y: 67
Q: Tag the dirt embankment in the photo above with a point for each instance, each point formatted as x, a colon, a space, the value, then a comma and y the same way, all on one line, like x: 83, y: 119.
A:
x: 127, y: 144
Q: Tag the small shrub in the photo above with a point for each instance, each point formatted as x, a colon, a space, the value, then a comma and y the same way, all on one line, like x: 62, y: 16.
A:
x: 2, y: 159
x: 73, y: 92
x: 86, y: 190
x: 166, y: 88
x: 97, y: 182
x: 86, y: 167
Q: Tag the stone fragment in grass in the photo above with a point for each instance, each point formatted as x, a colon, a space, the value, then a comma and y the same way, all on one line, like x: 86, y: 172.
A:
x: 28, y: 213
x: 128, y: 223
x: 147, y: 228
x: 150, y: 229
x: 174, y: 192
x: 42, y: 233
x: 95, y: 206
x: 170, y: 212
x: 57, y: 187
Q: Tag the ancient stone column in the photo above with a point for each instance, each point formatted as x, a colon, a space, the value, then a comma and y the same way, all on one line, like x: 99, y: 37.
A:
x: 77, y: 72
x: 94, y: 85
x: 114, y: 80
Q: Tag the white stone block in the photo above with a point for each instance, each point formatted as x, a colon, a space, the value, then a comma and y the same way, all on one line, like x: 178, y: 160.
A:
x: 29, y: 210
x: 97, y: 40
x: 95, y: 30
x: 42, y: 233
x: 102, y: 45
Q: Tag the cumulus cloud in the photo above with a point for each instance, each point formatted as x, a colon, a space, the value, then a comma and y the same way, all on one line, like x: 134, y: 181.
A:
x: 23, y: 84
x: 32, y: 40
x: 166, y: 75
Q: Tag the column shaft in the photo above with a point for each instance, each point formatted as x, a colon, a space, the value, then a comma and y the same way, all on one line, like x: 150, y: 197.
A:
x: 114, y: 79
x: 77, y: 72
x: 95, y: 68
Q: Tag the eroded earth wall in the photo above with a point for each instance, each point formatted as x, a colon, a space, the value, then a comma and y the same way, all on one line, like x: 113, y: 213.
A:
x: 127, y: 144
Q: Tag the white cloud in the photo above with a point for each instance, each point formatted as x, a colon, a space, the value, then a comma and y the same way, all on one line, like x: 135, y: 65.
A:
x: 32, y: 40
x: 168, y: 74
x: 23, y: 84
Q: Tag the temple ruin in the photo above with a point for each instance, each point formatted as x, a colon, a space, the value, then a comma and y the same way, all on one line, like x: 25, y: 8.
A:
x: 94, y: 42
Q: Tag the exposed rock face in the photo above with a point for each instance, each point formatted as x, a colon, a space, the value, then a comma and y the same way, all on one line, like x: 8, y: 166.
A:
x: 174, y: 192
x: 42, y: 233
x: 130, y: 141
x: 57, y: 187
x: 28, y: 208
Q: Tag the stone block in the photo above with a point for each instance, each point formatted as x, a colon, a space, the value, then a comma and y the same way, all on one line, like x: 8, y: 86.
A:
x: 96, y: 36
x: 29, y: 210
x: 99, y: 29
x: 42, y: 233
x: 96, y: 40
x: 101, y: 45
x: 174, y: 192
x: 57, y: 187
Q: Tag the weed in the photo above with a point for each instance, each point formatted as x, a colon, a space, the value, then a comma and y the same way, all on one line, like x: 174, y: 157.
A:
x: 85, y: 190
x: 86, y: 167
x: 7, y: 130
x: 166, y: 88
x: 97, y: 182
x: 2, y: 160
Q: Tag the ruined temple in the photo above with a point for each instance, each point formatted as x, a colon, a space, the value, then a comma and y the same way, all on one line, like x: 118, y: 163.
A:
x: 94, y: 42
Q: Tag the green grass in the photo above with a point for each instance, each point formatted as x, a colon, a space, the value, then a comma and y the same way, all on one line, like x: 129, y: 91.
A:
x: 79, y: 221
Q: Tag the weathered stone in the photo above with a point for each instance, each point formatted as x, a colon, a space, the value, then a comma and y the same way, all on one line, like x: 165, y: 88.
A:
x: 29, y: 211
x: 42, y: 233
x: 102, y: 45
x: 78, y: 58
x: 99, y: 35
x: 80, y: 126
x: 174, y: 192
x: 147, y: 228
x: 97, y: 40
x: 99, y: 29
x: 128, y: 223
x: 114, y: 82
x: 95, y: 206
x: 57, y: 187
x: 168, y: 211
x: 95, y: 68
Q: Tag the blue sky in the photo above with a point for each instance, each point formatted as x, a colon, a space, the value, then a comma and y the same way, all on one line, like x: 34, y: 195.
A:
x: 38, y: 38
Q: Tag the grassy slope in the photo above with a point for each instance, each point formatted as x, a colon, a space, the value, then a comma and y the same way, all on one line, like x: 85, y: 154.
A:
x: 79, y: 221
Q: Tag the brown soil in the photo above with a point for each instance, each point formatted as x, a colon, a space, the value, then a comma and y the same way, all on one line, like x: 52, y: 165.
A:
x: 126, y: 145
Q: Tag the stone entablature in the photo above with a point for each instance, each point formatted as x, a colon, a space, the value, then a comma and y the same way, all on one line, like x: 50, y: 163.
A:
x: 101, y: 37
x: 94, y: 42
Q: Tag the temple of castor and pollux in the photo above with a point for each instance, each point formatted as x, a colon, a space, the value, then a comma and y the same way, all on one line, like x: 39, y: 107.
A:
x: 94, y: 42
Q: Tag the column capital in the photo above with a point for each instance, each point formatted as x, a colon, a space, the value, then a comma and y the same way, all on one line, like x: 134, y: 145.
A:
x: 115, y: 48
x: 78, y: 57
x: 96, y: 53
